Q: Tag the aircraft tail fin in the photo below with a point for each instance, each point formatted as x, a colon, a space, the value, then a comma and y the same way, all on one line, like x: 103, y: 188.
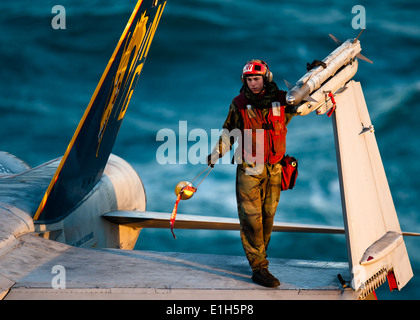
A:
x: 87, y: 154
x: 375, y: 242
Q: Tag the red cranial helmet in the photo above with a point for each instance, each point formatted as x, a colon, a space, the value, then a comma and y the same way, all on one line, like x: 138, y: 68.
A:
x: 257, y: 67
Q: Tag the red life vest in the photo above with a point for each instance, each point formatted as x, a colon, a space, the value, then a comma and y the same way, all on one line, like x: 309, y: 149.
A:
x: 273, y: 137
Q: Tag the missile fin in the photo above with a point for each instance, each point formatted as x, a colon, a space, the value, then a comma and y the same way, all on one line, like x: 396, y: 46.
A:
x: 362, y: 57
x: 341, y: 90
x: 339, y: 42
x: 357, y: 38
x: 288, y: 85
x: 308, y: 98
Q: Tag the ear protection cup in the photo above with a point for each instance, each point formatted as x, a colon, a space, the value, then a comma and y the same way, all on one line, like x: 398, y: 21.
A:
x: 268, y: 74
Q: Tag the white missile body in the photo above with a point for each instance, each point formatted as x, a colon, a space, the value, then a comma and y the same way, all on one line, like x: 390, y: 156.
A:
x: 341, y: 66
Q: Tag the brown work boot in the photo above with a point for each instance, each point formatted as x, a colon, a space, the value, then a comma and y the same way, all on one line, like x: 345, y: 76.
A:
x: 265, y: 278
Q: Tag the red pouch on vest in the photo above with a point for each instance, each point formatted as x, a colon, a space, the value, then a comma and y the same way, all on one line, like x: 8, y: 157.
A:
x: 289, y: 172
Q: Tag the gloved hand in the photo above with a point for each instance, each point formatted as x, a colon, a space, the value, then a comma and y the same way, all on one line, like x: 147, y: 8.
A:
x: 212, y: 158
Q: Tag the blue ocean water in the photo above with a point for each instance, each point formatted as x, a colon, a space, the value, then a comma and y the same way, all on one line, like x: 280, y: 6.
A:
x: 192, y: 73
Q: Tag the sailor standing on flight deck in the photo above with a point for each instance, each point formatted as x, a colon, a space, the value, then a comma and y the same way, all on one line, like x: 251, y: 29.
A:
x: 260, y: 105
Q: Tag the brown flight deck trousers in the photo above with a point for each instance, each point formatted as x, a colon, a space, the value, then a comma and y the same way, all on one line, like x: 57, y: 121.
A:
x: 257, y: 197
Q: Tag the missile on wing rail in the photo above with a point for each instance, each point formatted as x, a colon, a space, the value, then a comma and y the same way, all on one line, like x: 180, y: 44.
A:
x: 337, y: 62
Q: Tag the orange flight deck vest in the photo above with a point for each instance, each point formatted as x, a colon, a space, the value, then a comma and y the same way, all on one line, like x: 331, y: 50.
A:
x: 274, y: 137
